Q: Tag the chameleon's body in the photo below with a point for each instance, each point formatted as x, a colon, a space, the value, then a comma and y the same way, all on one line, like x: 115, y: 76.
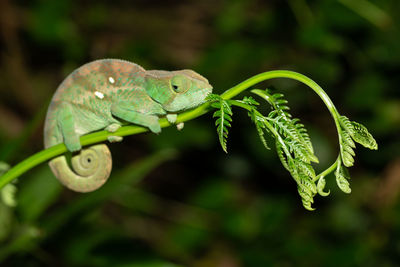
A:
x: 102, y: 95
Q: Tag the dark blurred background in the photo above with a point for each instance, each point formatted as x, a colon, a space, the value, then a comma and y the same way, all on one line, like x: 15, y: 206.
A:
x: 177, y: 199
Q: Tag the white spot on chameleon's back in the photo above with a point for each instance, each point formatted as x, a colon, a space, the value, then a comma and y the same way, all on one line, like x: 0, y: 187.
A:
x: 111, y: 80
x: 99, y: 94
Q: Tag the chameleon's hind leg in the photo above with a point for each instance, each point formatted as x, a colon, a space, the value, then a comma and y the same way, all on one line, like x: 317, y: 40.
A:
x: 126, y: 113
x: 66, y: 123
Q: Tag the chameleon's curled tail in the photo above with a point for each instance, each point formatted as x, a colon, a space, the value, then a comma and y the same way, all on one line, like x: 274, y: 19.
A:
x: 91, y: 169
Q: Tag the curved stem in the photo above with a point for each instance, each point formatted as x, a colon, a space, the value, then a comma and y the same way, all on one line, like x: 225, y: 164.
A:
x: 328, y: 170
x: 101, y: 136
x: 303, y: 79
x: 290, y: 75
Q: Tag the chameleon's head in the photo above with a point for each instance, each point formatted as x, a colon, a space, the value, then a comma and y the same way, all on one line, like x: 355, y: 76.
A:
x: 177, y: 90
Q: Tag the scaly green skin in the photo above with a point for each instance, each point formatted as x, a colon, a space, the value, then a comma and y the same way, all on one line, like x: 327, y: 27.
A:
x: 104, y: 94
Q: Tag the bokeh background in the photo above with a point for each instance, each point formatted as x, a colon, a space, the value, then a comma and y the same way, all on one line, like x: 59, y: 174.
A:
x: 177, y: 199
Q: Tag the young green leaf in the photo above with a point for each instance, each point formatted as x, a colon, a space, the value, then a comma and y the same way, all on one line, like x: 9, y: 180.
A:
x: 320, y: 187
x: 250, y: 101
x: 294, y: 138
x: 224, y: 118
x: 259, y: 122
x: 305, y: 168
x: 363, y: 137
x: 346, y: 148
x: 358, y: 132
x: 281, y: 154
x: 306, y: 198
x: 342, y: 176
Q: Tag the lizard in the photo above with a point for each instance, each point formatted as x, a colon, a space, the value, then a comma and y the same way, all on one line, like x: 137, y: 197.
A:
x: 104, y: 95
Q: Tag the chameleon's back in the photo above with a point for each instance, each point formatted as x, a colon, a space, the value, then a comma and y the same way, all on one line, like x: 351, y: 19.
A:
x: 88, y: 85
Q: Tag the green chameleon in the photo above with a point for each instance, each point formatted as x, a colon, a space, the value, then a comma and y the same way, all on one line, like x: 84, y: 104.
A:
x: 104, y: 94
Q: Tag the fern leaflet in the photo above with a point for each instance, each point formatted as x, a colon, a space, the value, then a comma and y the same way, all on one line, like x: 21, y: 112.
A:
x: 321, y: 185
x: 358, y: 133
x: 224, y: 118
x: 342, y: 176
x: 346, y: 148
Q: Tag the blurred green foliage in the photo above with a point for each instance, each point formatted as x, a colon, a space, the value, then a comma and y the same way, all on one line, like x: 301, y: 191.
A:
x: 201, y: 207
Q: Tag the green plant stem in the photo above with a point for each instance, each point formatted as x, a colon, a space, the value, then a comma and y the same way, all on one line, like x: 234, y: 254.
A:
x: 285, y: 74
x: 328, y: 170
x: 101, y: 136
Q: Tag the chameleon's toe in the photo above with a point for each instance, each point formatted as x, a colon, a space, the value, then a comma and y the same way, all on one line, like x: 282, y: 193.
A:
x: 114, y: 139
x: 180, y: 126
x: 171, y: 118
x: 112, y: 127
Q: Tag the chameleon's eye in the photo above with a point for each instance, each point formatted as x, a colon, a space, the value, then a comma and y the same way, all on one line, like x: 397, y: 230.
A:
x: 180, y: 84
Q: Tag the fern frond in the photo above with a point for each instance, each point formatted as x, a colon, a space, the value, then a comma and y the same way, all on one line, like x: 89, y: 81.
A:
x: 320, y: 187
x: 342, y: 176
x: 346, y: 150
x: 250, y: 101
x: 224, y: 119
x: 305, y: 168
x: 213, y: 98
x: 358, y: 132
x: 282, y: 155
x: 306, y: 198
x: 261, y: 128
x: 363, y: 137
x: 307, y: 184
x: 303, y: 135
x: 293, y: 146
x: 291, y: 129
x: 279, y: 103
x: 294, y: 137
x: 351, y: 130
x: 346, y: 124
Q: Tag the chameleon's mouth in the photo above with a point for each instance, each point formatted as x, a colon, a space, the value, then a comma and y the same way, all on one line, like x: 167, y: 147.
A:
x: 186, y: 102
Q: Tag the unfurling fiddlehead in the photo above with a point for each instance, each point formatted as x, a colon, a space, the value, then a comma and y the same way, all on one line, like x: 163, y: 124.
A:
x: 292, y: 142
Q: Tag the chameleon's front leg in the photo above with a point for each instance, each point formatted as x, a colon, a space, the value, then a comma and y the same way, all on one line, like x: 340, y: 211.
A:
x: 127, y: 113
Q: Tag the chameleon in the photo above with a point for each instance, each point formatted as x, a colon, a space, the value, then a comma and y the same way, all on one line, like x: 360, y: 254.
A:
x: 104, y: 95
